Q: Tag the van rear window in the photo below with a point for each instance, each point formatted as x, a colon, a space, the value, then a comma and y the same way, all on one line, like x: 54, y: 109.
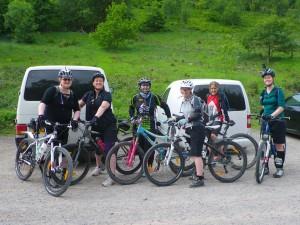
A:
x: 233, y: 92
x: 39, y: 80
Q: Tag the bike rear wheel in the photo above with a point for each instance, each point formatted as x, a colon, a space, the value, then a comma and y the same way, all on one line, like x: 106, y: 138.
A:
x: 81, y: 162
x: 124, y: 173
x: 58, y: 179
x: 25, y: 160
x: 156, y: 168
x: 227, y: 161
x: 260, y: 162
x: 250, y: 146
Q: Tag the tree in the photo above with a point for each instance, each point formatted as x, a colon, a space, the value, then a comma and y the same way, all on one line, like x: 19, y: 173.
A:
x: 3, y: 10
x: 154, y: 20
x: 271, y: 36
x: 19, y: 19
x: 118, y: 28
x: 43, y: 13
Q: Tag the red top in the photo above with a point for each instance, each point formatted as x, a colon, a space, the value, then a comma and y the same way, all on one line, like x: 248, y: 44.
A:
x: 214, y: 107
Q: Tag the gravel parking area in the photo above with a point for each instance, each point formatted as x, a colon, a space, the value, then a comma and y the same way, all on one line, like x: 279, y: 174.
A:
x: 276, y: 201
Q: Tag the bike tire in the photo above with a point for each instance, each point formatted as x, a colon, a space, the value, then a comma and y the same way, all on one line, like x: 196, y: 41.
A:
x: 157, y: 171
x: 25, y: 159
x: 188, y: 169
x: 260, y: 163
x: 57, y: 182
x: 81, y: 162
x: 250, y: 146
x: 124, y: 174
x: 229, y: 167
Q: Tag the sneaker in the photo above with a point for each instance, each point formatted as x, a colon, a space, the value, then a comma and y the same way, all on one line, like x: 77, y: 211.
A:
x: 279, y: 173
x: 97, y: 171
x: 266, y: 171
x: 108, y: 182
x: 197, y: 182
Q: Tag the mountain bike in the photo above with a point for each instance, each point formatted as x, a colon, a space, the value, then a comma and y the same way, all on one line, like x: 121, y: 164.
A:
x: 54, y: 161
x: 128, y: 155
x: 86, y: 143
x: 246, y: 141
x: 266, y: 148
x: 226, y: 159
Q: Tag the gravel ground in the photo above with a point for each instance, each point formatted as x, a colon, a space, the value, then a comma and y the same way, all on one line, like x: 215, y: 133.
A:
x: 276, y: 201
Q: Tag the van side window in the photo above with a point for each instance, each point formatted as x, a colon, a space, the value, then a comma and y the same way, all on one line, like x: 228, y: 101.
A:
x: 39, y: 80
x: 234, y: 94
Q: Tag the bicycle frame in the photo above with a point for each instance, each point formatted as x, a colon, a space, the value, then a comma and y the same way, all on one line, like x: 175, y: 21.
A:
x: 38, y: 140
x: 147, y: 135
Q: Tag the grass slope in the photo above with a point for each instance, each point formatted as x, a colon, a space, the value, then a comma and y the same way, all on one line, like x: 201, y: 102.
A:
x: 205, y: 50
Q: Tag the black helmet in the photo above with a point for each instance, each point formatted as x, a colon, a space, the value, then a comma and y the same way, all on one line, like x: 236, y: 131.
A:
x: 144, y: 81
x: 98, y: 75
x: 65, y: 73
x: 267, y: 71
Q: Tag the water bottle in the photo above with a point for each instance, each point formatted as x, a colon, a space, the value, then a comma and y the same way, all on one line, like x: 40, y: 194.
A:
x: 203, y: 153
x: 101, y: 145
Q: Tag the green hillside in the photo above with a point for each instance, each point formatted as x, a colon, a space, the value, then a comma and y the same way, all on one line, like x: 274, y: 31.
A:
x: 200, y: 49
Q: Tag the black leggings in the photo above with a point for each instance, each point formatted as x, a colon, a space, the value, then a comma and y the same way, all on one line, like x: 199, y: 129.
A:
x: 197, y: 134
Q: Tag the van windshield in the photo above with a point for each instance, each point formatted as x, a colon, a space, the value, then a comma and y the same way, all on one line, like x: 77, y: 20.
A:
x: 39, y: 80
x: 233, y: 92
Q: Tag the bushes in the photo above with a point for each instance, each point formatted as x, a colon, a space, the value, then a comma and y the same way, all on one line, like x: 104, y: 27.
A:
x: 118, y: 28
x: 154, y: 21
x: 20, y: 20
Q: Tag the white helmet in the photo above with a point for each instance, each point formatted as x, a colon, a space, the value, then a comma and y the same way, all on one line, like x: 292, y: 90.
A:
x: 186, y: 84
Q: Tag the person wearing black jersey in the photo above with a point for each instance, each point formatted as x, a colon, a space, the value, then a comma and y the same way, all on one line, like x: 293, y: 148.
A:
x: 98, y: 110
x: 144, y: 104
x: 57, y: 105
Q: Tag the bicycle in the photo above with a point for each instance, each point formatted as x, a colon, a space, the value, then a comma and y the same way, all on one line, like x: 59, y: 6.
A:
x: 128, y: 156
x: 266, y: 148
x: 247, y: 142
x: 80, y: 151
x: 160, y: 160
x: 226, y: 159
x: 54, y: 162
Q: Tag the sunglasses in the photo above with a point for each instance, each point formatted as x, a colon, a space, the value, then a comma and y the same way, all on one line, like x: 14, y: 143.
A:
x: 66, y: 79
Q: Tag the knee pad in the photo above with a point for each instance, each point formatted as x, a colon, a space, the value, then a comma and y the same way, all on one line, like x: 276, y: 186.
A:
x: 278, y: 162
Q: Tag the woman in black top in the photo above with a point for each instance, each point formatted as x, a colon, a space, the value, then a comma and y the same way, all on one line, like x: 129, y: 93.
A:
x: 98, y: 110
x: 57, y: 105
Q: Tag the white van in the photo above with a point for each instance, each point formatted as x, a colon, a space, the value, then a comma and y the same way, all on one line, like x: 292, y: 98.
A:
x: 37, y: 79
x: 239, y: 108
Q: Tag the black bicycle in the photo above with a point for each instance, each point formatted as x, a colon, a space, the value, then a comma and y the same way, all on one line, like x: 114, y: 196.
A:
x: 87, y: 143
x: 226, y: 159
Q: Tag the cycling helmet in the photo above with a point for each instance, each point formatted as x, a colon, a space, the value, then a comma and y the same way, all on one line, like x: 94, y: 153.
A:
x: 144, y: 81
x: 65, y: 73
x: 268, y: 71
x: 186, y: 84
x: 98, y: 75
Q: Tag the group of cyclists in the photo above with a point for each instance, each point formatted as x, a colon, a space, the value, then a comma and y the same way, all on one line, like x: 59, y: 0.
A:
x: 60, y: 104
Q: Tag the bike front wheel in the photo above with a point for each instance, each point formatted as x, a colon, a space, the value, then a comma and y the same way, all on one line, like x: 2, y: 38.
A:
x: 250, y: 146
x: 118, y: 166
x: 25, y: 159
x: 81, y: 162
x: 157, y: 168
x: 261, y: 162
x: 227, y: 161
x: 58, y: 176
